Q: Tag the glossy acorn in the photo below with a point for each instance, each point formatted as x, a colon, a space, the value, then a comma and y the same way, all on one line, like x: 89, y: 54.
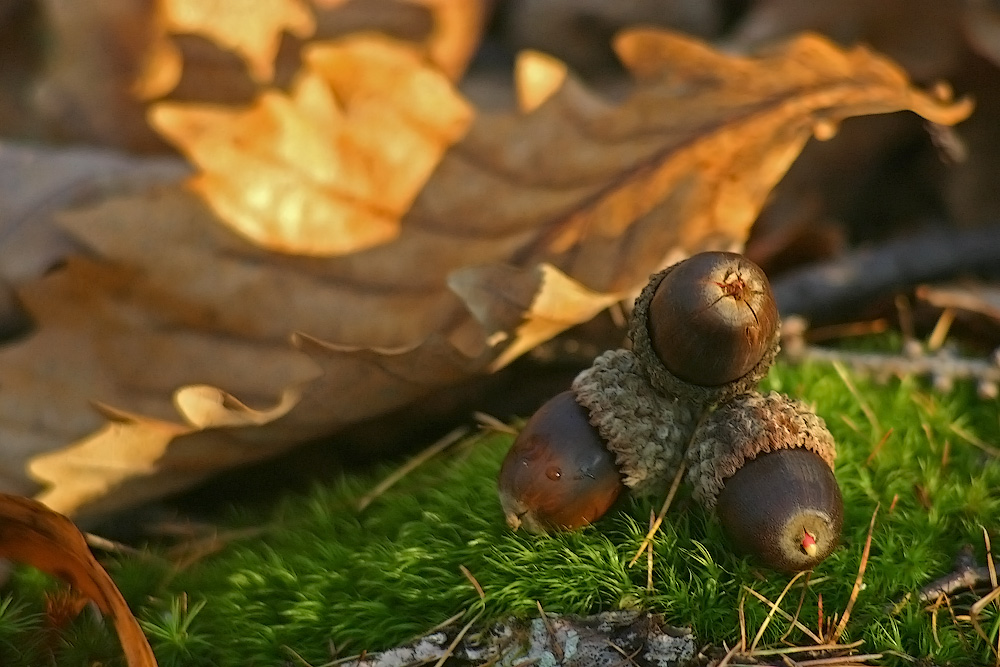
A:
x: 765, y: 463
x: 707, y: 327
x: 712, y: 318
x: 558, y: 475
x: 784, y: 508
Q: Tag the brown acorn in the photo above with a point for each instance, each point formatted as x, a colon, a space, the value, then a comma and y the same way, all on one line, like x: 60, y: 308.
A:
x: 765, y: 463
x: 707, y: 327
x: 558, y: 475
x: 783, y: 507
x: 712, y: 317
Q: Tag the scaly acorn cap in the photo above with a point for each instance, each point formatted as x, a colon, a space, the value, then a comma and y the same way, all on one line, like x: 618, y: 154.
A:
x: 669, y: 384
x: 646, y: 430
x: 746, y: 427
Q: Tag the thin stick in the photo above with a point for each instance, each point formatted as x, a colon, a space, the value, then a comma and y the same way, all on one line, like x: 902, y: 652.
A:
x: 454, y: 642
x: 784, y: 614
x: 865, y: 408
x: 472, y: 579
x: 857, y: 582
x: 553, y: 639
x: 774, y: 608
x: 663, y: 511
x: 411, y: 465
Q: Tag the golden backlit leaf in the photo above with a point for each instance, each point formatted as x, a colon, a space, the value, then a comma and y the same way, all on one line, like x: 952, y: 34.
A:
x: 536, y: 77
x: 33, y: 534
x: 104, y: 62
x: 251, y: 28
x: 533, y: 304
x: 335, y: 164
x: 497, y: 232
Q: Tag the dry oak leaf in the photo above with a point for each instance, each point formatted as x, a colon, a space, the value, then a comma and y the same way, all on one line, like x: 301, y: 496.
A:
x: 530, y: 222
x: 331, y: 167
x: 33, y: 534
x: 251, y: 28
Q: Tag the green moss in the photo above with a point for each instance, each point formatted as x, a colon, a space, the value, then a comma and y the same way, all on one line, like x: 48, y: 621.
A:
x: 323, y: 575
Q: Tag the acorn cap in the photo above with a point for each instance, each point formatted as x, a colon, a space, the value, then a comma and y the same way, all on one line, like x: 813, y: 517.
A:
x: 647, y: 431
x: 669, y: 384
x: 748, y: 426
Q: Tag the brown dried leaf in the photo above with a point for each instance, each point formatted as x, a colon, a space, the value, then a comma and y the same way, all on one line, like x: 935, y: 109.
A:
x: 107, y: 60
x: 527, y: 225
x: 32, y: 533
x: 335, y: 164
x: 251, y: 28
x: 529, y: 306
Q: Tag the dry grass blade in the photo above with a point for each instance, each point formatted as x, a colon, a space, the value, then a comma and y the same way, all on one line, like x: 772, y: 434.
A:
x: 411, y: 465
x: 857, y: 582
x: 940, y: 332
x: 475, y: 582
x: 743, y: 620
x: 989, y: 557
x: 878, y: 448
x: 788, y: 650
x: 729, y: 656
x: 627, y: 658
x: 977, y: 609
x: 648, y: 540
x: 649, y: 554
x: 490, y: 423
x: 774, y: 609
x: 553, y: 639
x: 865, y: 408
x: 840, y: 661
x: 974, y: 441
x: 454, y: 642
x: 784, y: 614
x: 802, y: 601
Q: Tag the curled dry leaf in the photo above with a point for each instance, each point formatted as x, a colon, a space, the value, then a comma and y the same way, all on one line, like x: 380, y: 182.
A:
x: 33, y: 534
x: 527, y: 224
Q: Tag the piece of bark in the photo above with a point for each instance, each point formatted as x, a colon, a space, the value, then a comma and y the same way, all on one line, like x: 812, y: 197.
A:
x: 610, y: 638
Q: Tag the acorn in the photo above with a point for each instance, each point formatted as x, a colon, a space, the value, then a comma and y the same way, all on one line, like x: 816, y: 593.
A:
x: 706, y: 328
x: 765, y: 463
x: 558, y: 475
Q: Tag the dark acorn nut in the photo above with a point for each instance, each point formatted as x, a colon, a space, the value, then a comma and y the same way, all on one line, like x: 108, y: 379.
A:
x: 712, y: 318
x: 558, y: 475
x: 766, y: 464
x: 785, y: 508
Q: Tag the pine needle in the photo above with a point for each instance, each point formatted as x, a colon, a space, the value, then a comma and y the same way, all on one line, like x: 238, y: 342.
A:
x: 865, y: 408
x: 857, y: 582
x: 451, y: 438
x: 774, y: 609
x: 647, y: 541
x: 784, y: 614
